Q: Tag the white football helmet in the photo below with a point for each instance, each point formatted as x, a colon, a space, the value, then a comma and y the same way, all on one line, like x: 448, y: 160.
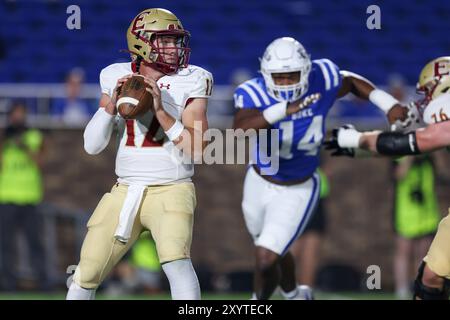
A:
x: 286, y: 55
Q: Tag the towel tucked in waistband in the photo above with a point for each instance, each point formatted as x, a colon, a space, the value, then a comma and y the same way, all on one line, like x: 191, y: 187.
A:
x: 128, y: 213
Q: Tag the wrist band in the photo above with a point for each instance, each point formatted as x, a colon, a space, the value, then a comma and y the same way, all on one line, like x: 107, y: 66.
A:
x: 175, y: 131
x: 275, y: 113
x: 349, y: 138
x: 382, y: 99
x: 396, y: 143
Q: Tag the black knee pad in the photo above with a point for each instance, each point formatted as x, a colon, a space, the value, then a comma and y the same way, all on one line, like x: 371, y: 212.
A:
x: 426, y: 293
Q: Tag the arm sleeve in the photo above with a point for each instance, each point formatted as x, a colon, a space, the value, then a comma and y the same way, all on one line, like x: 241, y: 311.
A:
x: 107, y: 82
x: 98, y: 132
x: 397, y: 143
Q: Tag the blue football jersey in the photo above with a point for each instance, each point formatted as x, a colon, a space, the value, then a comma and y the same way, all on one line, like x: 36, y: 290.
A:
x: 300, y: 135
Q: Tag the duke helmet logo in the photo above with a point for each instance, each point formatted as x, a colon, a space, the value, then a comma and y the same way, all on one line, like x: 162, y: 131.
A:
x: 301, y: 53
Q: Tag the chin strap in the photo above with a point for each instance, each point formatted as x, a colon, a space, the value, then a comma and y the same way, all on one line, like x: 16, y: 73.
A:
x: 138, y: 63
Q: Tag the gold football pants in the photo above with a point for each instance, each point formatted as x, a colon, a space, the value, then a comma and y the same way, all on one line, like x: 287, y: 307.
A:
x: 438, y: 256
x: 166, y: 211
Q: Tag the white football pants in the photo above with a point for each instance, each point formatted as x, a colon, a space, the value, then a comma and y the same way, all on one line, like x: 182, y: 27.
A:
x: 276, y: 215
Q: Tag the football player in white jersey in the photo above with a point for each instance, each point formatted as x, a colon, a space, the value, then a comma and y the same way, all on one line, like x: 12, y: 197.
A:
x: 154, y: 190
x: 433, y: 279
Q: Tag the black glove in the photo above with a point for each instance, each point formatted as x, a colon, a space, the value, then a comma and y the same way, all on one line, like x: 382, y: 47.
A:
x: 333, y: 145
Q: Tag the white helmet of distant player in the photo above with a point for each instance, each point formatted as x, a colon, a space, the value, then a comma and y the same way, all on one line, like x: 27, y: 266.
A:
x: 286, y: 55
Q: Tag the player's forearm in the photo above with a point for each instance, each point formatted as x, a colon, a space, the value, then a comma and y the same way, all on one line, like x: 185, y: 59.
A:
x: 364, y: 89
x: 111, y: 108
x: 433, y: 137
x: 191, y: 143
x: 428, y: 139
x: 390, y: 143
x: 368, y: 141
x: 165, y: 120
x: 189, y: 140
x: 255, y: 121
x: 353, y: 139
x: 98, y: 132
x: 356, y: 84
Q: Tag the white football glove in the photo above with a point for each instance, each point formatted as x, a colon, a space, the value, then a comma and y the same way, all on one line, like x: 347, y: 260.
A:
x: 344, y: 141
x: 412, y: 122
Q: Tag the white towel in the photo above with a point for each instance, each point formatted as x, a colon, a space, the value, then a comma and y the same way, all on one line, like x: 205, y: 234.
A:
x: 128, y: 213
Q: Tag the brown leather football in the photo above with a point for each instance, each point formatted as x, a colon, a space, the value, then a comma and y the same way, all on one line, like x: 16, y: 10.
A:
x: 134, y: 98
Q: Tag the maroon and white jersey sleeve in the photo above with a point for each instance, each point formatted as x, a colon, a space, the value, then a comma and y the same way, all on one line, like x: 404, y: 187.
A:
x: 112, y: 73
x: 438, y: 110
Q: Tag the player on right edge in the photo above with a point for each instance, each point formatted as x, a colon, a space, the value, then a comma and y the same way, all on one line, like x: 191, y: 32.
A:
x: 433, y: 278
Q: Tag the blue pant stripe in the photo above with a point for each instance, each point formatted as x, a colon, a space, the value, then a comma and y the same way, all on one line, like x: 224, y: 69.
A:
x: 309, y: 210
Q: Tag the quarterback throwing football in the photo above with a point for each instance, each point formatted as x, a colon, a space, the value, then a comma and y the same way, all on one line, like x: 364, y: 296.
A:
x: 154, y: 189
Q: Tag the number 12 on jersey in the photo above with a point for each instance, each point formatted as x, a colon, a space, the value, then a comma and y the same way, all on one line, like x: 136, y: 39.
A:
x: 149, y: 140
x: 310, y: 142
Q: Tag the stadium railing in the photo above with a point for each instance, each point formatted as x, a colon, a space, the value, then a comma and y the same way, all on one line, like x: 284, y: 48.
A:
x: 220, y: 106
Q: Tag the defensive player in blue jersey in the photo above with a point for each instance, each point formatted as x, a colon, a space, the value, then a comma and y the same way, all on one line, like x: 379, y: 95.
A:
x: 294, y: 96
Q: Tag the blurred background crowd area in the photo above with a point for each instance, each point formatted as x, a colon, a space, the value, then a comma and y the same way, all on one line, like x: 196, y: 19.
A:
x: 51, y: 73
x: 38, y: 53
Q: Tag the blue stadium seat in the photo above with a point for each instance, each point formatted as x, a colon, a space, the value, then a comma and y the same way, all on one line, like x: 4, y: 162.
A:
x: 226, y: 35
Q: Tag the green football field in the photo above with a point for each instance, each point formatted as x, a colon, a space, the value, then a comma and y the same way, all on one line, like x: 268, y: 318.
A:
x: 205, y: 296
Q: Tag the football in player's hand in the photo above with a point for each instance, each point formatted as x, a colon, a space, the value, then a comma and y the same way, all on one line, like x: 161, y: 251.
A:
x: 134, y: 98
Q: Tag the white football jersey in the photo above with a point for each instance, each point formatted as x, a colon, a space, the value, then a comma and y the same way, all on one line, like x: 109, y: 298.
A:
x: 438, y: 110
x: 145, y: 155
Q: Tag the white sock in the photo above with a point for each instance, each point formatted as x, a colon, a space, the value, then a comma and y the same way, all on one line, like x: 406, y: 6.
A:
x: 291, y: 294
x: 254, y: 296
x: 182, y: 279
x: 78, y: 293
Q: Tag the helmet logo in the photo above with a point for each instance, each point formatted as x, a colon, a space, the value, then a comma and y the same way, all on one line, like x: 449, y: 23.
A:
x: 162, y: 85
x: 441, y: 68
x: 138, y: 25
x: 301, y: 53
x: 173, y: 27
